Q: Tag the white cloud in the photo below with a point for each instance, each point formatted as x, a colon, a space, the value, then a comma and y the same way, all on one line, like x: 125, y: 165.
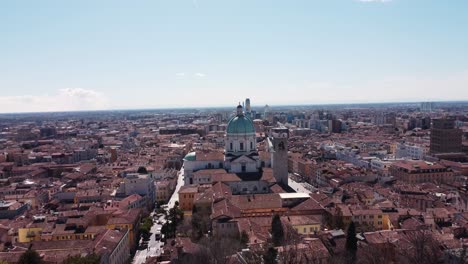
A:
x: 68, y: 99
x: 180, y: 74
x: 199, y: 74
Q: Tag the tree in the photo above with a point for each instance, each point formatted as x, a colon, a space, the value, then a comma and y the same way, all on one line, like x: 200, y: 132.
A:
x: 30, y: 256
x: 380, y: 253
x: 244, y: 239
x: 89, y: 259
x: 291, y: 252
x: 142, y: 170
x: 200, y: 223
x: 174, y: 218
x: 338, y: 220
x: 418, y: 247
x: 270, y: 256
x: 277, y: 231
x: 351, y: 242
x: 197, y: 232
x: 145, y: 227
x: 219, y: 248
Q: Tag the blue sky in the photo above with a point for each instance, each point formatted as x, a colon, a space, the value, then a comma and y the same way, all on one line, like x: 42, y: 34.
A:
x: 78, y: 55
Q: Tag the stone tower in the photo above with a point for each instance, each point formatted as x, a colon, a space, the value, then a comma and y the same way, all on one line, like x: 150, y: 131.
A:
x: 279, y: 154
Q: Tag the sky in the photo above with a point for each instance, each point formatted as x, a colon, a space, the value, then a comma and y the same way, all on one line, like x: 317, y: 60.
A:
x: 110, y: 54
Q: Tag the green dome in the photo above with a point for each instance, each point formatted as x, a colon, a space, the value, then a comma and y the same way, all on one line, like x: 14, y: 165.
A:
x: 190, y: 156
x: 240, y: 124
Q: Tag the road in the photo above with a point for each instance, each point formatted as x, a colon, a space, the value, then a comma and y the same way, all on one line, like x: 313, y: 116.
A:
x: 155, y: 246
x: 175, y: 196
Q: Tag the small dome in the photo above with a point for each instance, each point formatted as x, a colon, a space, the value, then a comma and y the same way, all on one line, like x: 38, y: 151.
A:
x: 190, y: 156
x: 240, y: 124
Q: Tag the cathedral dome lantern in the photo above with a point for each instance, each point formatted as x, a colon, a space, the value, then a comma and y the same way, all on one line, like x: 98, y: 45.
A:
x: 240, y: 110
x: 240, y: 124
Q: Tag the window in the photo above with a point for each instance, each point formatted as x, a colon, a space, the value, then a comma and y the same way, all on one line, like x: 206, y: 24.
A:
x: 241, y: 147
x: 251, y: 145
x: 305, y: 230
x: 243, y: 168
x: 230, y: 145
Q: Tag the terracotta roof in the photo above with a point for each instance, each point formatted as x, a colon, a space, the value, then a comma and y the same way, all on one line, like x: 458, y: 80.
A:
x: 309, y: 204
x: 257, y: 201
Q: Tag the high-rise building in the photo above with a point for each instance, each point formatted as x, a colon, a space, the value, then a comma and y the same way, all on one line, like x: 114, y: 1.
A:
x: 427, y: 106
x: 445, y: 138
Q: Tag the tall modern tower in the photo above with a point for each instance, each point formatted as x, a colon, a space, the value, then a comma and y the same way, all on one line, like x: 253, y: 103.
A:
x: 445, y: 138
x: 248, y: 110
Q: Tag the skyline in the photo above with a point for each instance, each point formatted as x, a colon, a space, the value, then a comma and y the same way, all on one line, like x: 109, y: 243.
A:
x: 167, y: 54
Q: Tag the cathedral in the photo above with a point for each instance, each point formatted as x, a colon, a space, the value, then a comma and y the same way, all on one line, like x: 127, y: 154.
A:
x: 240, y: 166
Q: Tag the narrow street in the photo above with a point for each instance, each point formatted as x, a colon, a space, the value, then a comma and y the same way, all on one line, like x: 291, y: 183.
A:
x: 175, y: 196
x: 155, y: 246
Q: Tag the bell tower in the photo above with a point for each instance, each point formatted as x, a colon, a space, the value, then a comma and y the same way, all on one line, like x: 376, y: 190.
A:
x: 279, y: 157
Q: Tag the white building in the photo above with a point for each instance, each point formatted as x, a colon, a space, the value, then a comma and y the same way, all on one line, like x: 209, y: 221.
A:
x: 141, y: 184
x: 406, y: 150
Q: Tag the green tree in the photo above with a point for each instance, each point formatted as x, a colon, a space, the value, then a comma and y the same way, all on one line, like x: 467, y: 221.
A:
x: 277, y: 231
x: 244, y: 239
x: 145, y: 226
x: 351, y: 242
x: 270, y: 256
x: 30, y: 256
x: 89, y: 259
x: 174, y: 218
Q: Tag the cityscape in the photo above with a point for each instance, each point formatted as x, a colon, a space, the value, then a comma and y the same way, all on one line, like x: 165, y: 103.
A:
x: 240, y: 185
x: 234, y: 132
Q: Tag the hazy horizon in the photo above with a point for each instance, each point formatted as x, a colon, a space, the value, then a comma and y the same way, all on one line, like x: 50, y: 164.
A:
x: 254, y: 107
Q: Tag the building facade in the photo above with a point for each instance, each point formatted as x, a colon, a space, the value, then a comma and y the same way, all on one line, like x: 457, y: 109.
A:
x: 445, y: 138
